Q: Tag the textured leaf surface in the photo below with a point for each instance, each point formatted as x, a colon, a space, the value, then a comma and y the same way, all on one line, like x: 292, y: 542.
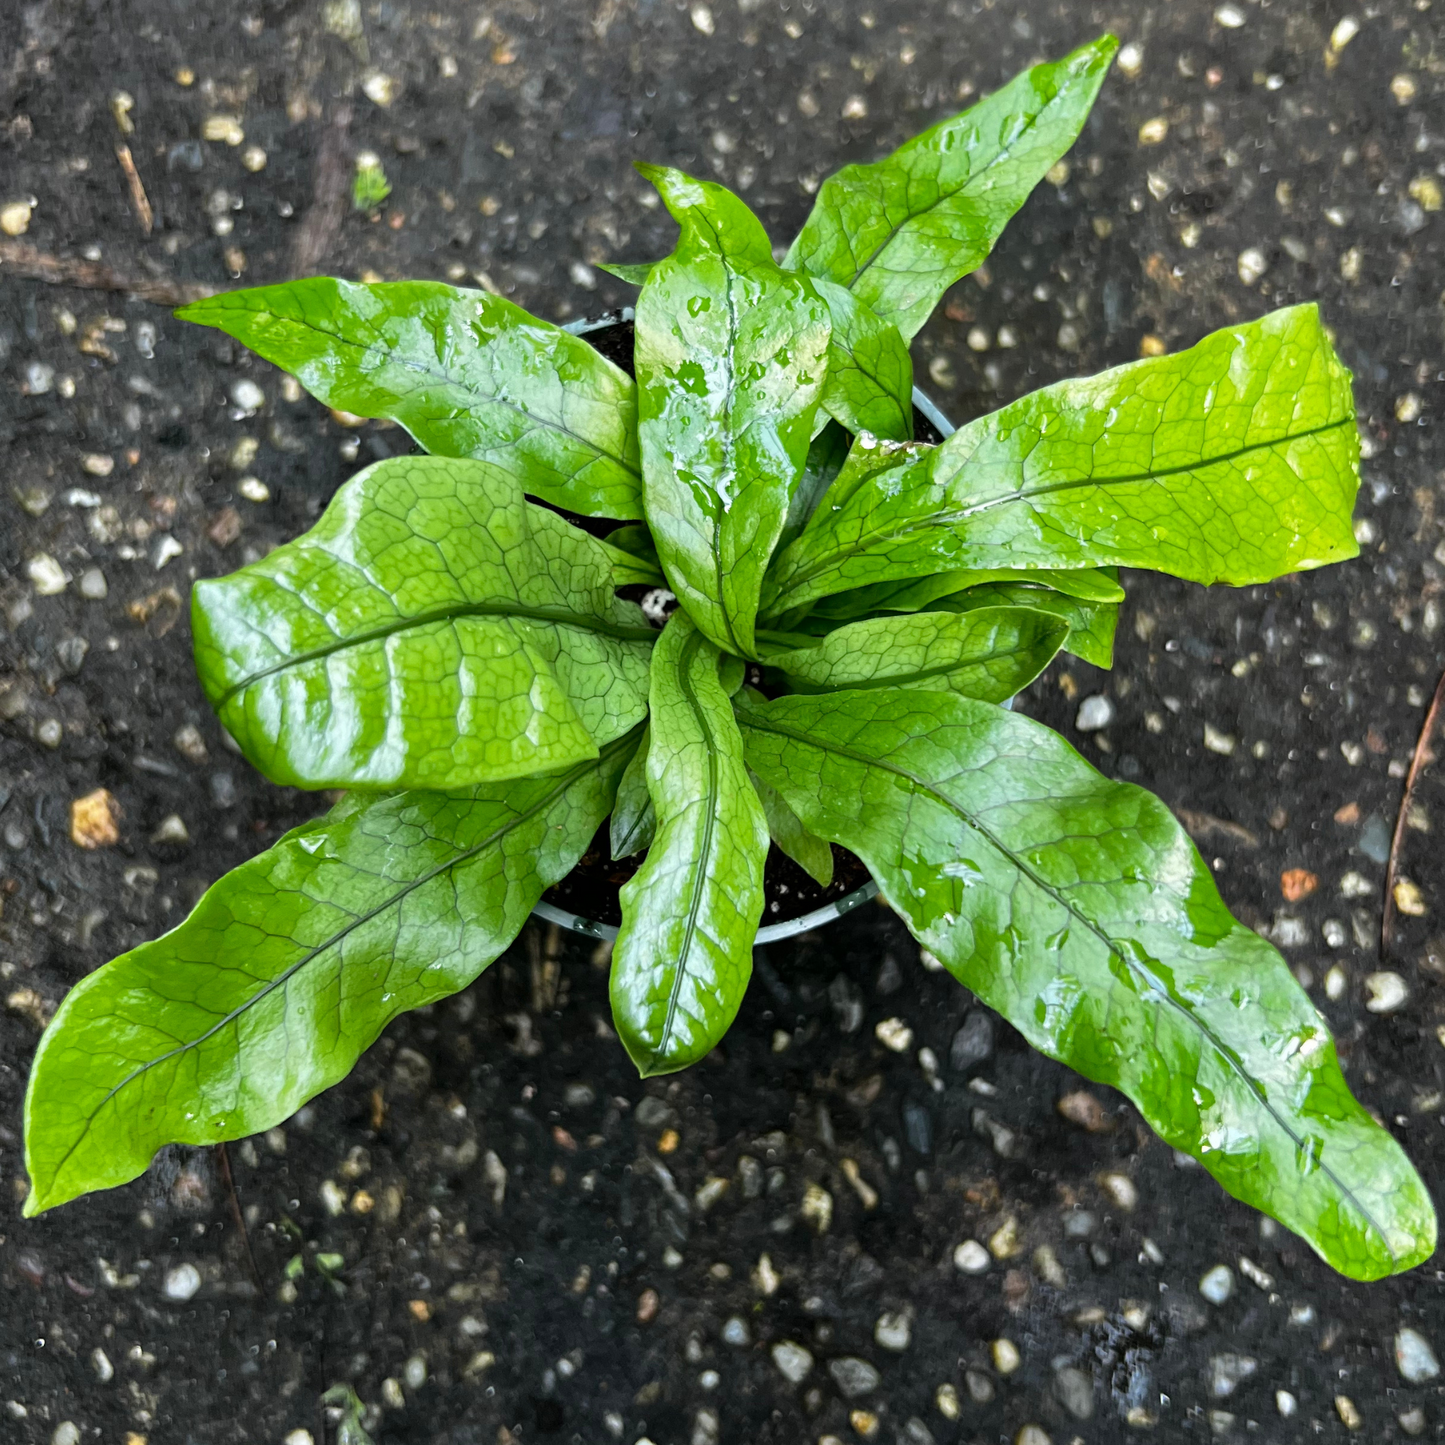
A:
x: 634, y: 820
x: 633, y: 272
x: 684, y: 953
x: 1079, y: 909
x: 731, y: 357
x: 468, y: 374
x: 1088, y: 584
x: 433, y: 630
x: 290, y: 967
x: 1235, y: 461
x: 870, y: 373
x: 1091, y: 624
x: 988, y: 653
x: 898, y: 233
x: 827, y: 453
x: 634, y: 556
x: 786, y: 829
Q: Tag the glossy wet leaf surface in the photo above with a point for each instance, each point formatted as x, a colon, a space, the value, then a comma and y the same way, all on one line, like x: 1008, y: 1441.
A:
x: 1078, y: 908
x: 684, y: 953
x: 988, y: 653
x: 468, y: 374
x: 633, y: 824
x: 870, y: 373
x: 1091, y: 624
x: 731, y: 359
x: 1235, y: 461
x: 434, y: 629
x: 291, y: 966
x: 786, y: 829
x: 899, y: 232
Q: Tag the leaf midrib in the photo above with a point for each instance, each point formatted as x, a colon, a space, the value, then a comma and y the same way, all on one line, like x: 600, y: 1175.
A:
x: 755, y: 720
x: 556, y: 616
x: 868, y: 540
x: 564, y: 782
x: 450, y: 378
x: 902, y: 679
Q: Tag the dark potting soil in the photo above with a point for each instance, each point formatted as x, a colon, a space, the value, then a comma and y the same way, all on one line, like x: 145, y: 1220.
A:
x: 499, y: 1234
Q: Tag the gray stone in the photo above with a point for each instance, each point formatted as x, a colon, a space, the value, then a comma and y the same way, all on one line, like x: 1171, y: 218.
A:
x: 654, y: 1113
x: 918, y: 1128
x: 1075, y: 1389
x: 1095, y: 712
x: 1228, y: 1371
x: 894, y: 1330
x: 182, y: 1282
x: 1414, y: 1357
x: 853, y: 1377
x: 735, y: 1332
x: 973, y: 1043
x: 793, y: 1361
x: 1217, y: 1284
x: 915, y: 1432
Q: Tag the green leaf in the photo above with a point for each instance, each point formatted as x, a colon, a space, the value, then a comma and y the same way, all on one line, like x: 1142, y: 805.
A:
x: 1091, y: 584
x: 433, y: 630
x: 870, y: 373
x: 290, y: 967
x: 988, y: 653
x: 466, y: 373
x: 1091, y: 624
x: 827, y: 453
x: 731, y: 357
x: 786, y: 829
x: 1079, y: 909
x: 634, y: 556
x: 684, y: 953
x: 633, y: 272
x: 898, y: 233
x: 1235, y: 461
x: 634, y: 820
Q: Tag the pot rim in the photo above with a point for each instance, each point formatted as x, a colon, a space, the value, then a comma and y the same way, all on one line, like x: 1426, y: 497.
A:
x: 770, y: 932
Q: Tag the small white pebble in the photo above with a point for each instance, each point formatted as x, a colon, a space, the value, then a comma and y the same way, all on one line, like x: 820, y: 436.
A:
x: 300, y: 1437
x: 253, y: 489
x: 1403, y: 88
x: 1251, y: 265
x: 1285, y: 1403
x: 253, y: 158
x: 391, y: 1394
x: 702, y: 20
x: 414, y: 1372
x: 47, y: 576
x: 1351, y: 264
x: 105, y: 1371
x: 855, y: 108
x: 1006, y: 1357
x: 97, y: 464
x: 1344, y: 32
x: 182, y: 1282
x: 1131, y: 60
x: 793, y: 1361
x: 247, y: 395
x: 1408, y: 407
x: 1095, y: 712
x: 65, y: 1433
x: 1387, y: 992
x: 971, y: 1257
x: 15, y: 217
x: 1153, y: 131
x: 893, y: 1331
x: 1231, y: 17
x: 1217, y: 1284
x: 978, y: 338
x: 1335, y: 983
x: 894, y: 1034
x: 379, y: 88
x: 1218, y: 741
x: 333, y: 1196
x: 1414, y: 1358
x: 949, y: 1405
x: 1120, y: 1188
x: 735, y: 1332
x: 1258, y: 1277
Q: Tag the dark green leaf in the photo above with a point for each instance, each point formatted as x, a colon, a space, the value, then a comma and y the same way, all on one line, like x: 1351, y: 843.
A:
x: 1079, y: 909
x: 466, y: 373
x: 634, y: 820
x: 898, y: 233
x: 1091, y: 624
x: 633, y: 272
x: 826, y: 454
x: 290, y: 967
x: 684, y: 953
x: 433, y: 630
x: 786, y: 829
x: 870, y: 373
x: 731, y: 357
x: 988, y: 653
x: 1090, y: 584
x: 1235, y: 461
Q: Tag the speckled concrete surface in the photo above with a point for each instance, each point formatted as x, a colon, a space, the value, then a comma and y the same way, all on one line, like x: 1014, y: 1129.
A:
x: 504, y: 1236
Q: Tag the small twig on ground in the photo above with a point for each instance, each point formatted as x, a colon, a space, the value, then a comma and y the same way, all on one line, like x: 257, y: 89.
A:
x: 138, y: 197
x: 330, y: 183
x: 224, y: 1159
x: 19, y: 258
x: 1205, y: 825
x: 1424, y: 755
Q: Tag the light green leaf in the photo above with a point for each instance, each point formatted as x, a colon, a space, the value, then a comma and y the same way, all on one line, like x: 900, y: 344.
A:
x: 731, y: 357
x: 870, y: 373
x: 786, y: 829
x: 1079, y: 909
x: 634, y: 556
x: 634, y: 820
x: 633, y: 272
x: 290, y: 967
x: 1089, y: 584
x: 1091, y: 624
x: 1235, y: 461
x: 988, y: 653
x: 684, y: 953
x: 898, y: 233
x: 432, y: 630
x: 468, y: 374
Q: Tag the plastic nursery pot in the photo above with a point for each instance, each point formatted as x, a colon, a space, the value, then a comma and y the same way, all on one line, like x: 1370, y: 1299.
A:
x: 787, y: 927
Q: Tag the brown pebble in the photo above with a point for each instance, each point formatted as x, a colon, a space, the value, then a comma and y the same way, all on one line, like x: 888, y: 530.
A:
x: 420, y: 1309
x: 1083, y: 1109
x: 669, y: 1141
x: 225, y: 527
x: 563, y: 1139
x: 95, y: 820
x: 1348, y: 815
x: 647, y: 1306
x: 1297, y: 883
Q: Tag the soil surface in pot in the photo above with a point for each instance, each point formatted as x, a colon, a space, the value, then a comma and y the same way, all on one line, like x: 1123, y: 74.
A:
x: 493, y: 1231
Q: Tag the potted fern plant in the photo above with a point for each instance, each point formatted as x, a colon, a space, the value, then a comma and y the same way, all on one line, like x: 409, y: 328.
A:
x: 836, y: 609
